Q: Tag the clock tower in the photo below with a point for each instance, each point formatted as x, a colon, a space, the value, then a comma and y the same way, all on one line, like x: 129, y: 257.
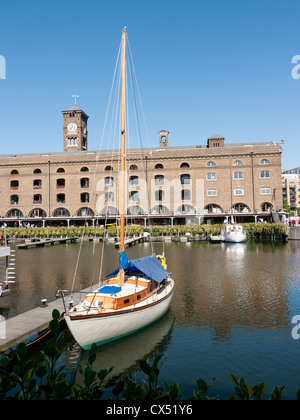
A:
x: 163, y: 138
x: 75, y: 129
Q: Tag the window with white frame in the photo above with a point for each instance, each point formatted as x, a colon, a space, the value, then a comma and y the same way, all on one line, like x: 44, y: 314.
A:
x: 265, y: 191
x: 265, y: 174
x: 212, y: 192
x: 238, y: 175
x: 72, y: 141
x: 237, y: 163
x: 211, y: 176
x: 238, y: 191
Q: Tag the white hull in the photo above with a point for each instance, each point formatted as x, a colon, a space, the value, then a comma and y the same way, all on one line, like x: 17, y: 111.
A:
x: 234, y: 233
x: 235, y: 237
x: 105, y: 328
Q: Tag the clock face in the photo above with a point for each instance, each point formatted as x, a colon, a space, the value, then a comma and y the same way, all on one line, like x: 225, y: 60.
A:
x: 72, y: 126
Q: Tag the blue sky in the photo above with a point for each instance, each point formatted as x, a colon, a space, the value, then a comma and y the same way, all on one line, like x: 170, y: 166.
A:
x: 203, y: 67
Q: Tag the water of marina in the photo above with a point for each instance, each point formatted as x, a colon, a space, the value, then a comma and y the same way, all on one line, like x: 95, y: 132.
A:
x: 231, y: 313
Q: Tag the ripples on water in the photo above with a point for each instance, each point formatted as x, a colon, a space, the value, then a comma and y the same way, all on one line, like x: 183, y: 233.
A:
x: 231, y: 312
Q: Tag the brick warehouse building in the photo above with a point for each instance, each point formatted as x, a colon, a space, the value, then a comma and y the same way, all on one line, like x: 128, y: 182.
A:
x: 187, y: 184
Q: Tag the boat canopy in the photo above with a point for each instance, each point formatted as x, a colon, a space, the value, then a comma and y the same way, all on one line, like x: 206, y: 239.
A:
x: 148, y: 266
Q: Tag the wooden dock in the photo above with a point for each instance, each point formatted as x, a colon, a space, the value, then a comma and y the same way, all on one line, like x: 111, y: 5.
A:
x: 132, y: 241
x: 21, y: 327
x: 46, y: 242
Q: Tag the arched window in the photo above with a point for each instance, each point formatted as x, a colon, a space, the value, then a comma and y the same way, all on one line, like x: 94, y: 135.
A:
x: 133, y: 168
x: 186, y: 209
x: 184, y: 165
x: 37, y: 171
x: 264, y: 162
x: 159, y: 166
x: 85, y: 211
x: 135, y: 211
x: 212, y: 208
x: 60, y: 170
x: 211, y: 163
x: 109, y: 211
x: 14, y: 213
x: 237, y: 163
x: 37, y: 213
x: 61, y: 212
x: 14, y: 172
x: 160, y: 210
x: 240, y: 208
x: 266, y: 207
x: 84, y: 169
x: 108, y: 168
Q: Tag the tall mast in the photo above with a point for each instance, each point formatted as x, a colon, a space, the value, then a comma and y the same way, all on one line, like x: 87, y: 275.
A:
x: 123, y: 127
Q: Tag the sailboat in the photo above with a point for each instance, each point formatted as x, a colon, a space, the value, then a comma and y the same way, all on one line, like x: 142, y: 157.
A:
x: 234, y: 233
x: 137, y: 293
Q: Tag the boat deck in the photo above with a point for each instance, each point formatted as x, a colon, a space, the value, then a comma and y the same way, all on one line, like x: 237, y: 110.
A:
x: 85, y: 308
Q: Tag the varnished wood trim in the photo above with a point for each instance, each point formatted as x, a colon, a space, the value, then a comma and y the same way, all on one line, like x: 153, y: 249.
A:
x: 119, y: 312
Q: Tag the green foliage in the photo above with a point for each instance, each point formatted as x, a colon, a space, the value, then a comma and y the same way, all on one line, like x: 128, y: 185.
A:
x: 253, y: 230
x: 286, y: 207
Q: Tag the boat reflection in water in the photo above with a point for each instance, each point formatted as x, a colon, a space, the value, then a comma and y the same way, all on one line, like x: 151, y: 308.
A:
x: 124, y: 354
x: 237, y: 249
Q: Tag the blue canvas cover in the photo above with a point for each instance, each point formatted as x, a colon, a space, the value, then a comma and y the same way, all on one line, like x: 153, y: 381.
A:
x: 149, y: 266
x: 110, y: 290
